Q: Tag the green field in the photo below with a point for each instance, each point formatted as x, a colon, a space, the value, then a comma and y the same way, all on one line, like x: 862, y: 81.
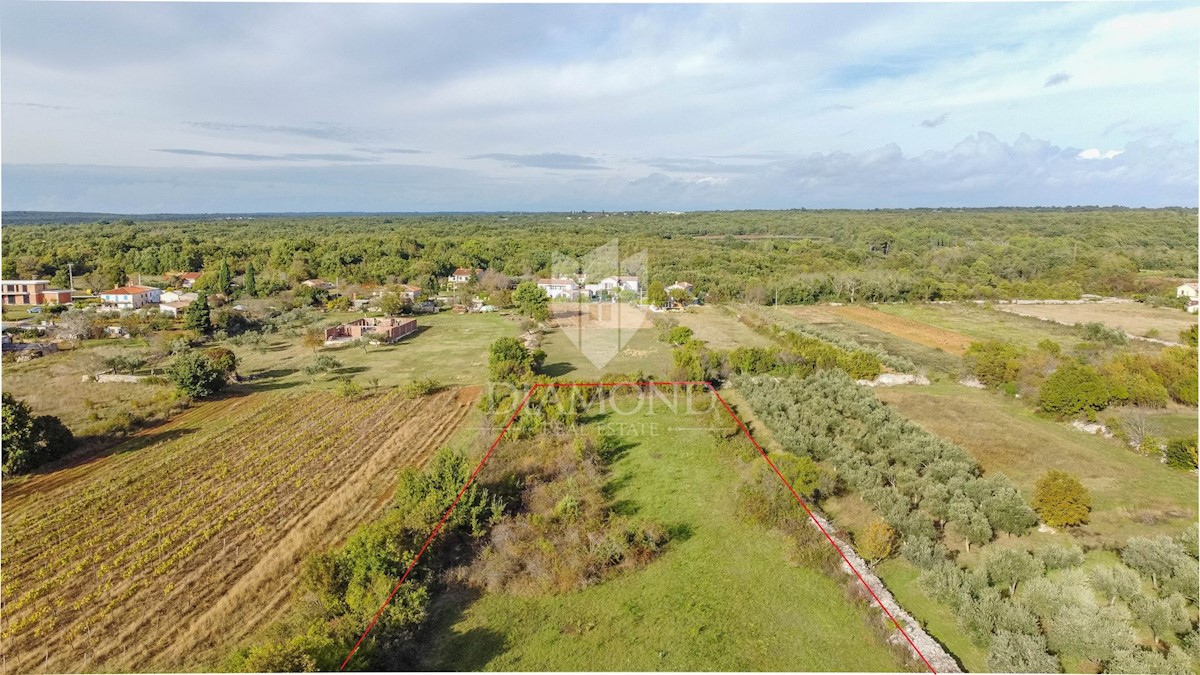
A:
x: 1132, y: 494
x: 451, y: 348
x: 642, y: 352
x: 721, y: 597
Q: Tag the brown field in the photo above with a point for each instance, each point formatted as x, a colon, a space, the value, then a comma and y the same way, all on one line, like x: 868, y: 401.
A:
x: 166, y: 552
x: 909, y: 329
x: 1131, y: 317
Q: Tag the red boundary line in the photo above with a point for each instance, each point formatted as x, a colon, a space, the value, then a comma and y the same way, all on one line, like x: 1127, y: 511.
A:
x: 746, y: 431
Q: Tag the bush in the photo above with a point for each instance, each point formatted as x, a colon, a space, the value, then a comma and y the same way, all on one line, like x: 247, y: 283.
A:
x: 877, y: 543
x: 1181, y: 453
x: 196, y: 376
x: 1061, y: 500
x: 30, y: 441
x: 422, y: 387
x: 511, y: 361
x: 1072, y: 389
x: 1097, y: 332
x: 993, y: 362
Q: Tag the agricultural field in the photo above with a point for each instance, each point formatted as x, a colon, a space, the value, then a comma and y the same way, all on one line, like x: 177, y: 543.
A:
x: 983, y: 322
x: 827, y: 321
x: 1133, y: 495
x: 721, y: 596
x: 189, y: 535
x: 450, y: 348
x: 908, y: 329
x: 1163, y: 323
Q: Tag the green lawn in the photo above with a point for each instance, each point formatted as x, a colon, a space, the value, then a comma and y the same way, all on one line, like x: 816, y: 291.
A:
x: 451, y: 348
x: 1132, y: 494
x: 601, y: 354
x: 721, y: 597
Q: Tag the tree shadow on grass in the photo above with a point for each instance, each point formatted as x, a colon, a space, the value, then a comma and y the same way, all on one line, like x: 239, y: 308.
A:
x: 442, y: 648
x: 557, y: 369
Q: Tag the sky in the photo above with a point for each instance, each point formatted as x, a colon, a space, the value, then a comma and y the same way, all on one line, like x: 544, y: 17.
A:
x: 224, y: 107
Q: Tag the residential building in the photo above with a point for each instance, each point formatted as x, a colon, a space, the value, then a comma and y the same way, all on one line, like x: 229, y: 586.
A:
x: 559, y: 288
x: 620, y: 283
x: 131, y: 297
x: 32, y: 292
x: 463, y: 275
x: 176, y: 296
x: 408, y: 291
x: 184, y: 279
x: 317, y: 283
x: 372, y: 328
x: 1188, y: 290
x: 174, y: 309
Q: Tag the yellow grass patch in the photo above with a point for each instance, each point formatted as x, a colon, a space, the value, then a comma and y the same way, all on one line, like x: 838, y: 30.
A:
x: 909, y: 329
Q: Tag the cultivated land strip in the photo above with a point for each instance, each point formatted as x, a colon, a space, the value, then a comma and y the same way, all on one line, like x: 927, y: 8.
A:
x: 191, y: 534
x: 909, y: 329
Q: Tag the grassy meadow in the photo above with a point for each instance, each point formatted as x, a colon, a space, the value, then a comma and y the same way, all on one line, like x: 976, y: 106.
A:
x: 721, y: 597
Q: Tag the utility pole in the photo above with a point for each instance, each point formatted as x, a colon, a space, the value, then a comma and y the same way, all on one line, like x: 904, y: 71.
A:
x: 71, y: 275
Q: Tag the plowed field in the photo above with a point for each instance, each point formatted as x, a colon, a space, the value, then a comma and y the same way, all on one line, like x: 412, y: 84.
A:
x: 191, y: 535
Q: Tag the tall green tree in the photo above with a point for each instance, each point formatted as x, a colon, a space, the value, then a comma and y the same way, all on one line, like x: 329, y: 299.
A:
x: 197, y: 316
x: 224, y: 278
x: 531, y: 300
x: 251, y: 283
x: 656, y: 294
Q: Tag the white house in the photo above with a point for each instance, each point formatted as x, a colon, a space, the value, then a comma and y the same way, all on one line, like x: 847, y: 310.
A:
x: 463, y: 275
x: 176, y: 296
x: 559, y: 288
x: 1190, y: 291
x: 131, y: 297
x: 174, y: 309
x: 619, y: 283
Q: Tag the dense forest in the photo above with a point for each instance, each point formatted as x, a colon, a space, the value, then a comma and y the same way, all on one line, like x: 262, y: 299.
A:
x: 756, y: 256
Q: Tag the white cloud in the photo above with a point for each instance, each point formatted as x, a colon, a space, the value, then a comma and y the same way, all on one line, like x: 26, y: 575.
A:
x: 1094, y: 153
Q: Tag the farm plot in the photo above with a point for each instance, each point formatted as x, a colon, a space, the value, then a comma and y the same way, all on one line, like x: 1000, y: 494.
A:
x: 1133, y: 318
x: 909, y: 329
x: 191, y: 535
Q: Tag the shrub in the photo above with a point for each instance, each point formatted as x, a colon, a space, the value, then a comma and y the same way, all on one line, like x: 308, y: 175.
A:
x: 1097, y: 332
x: 511, y: 361
x: 679, y: 335
x: 877, y: 543
x: 30, y: 441
x: 1181, y: 453
x: 993, y: 362
x: 1072, y: 389
x: 1061, y: 500
x: 348, y: 388
x: 195, y: 375
x: 422, y: 387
